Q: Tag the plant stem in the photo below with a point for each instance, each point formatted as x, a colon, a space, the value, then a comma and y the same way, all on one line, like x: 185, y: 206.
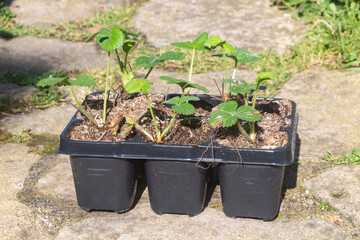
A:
x: 226, y: 75
x: 243, y: 132
x: 78, y: 103
x: 168, y: 127
x: 106, y: 86
x: 154, y: 119
x: 234, y: 72
x: 148, y: 72
x: 125, y: 62
x: 191, y: 67
x: 121, y: 67
x: 252, y: 124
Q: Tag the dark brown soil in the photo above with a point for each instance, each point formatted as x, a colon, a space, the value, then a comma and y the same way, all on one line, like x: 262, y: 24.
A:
x: 185, y: 130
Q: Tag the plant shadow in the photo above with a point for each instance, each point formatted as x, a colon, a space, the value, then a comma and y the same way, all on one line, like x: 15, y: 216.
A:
x: 291, y: 172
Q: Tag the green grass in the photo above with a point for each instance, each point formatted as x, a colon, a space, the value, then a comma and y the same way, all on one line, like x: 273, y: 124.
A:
x: 43, y: 98
x: 350, y: 158
x: 333, y: 40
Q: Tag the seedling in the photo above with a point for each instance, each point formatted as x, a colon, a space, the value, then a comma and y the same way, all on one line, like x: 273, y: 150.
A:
x: 214, y: 42
x: 183, y: 84
x: 197, y: 44
x: 112, y: 40
x: 82, y: 81
x: 230, y: 114
x: 150, y: 61
x: 180, y: 105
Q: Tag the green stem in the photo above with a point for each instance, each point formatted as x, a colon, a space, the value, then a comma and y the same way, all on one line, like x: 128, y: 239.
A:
x: 78, y: 103
x: 243, y: 132
x: 234, y: 72
x: 191, y: 68
x: 252, y: 124
x: 148, y: 72
x: 168, y: 127
x: 191, y: 64
x: 125, y: 63
x: 154, y: 119
x: 106, y: 86
x: 226, y: 75
x: 119, y: 62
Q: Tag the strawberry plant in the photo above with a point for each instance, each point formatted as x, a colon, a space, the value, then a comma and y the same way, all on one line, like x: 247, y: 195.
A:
x: 180, y: 105
x: 198, y: 44
x: 82, y: 81
x: 230, y: 114
x: 113, y: 40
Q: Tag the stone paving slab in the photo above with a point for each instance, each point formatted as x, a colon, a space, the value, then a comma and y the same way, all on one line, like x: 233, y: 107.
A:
x: 47, y: 12
x: 48, y: 121
x: 35, y: 54
x: 340, y: 187
x: 253, y: 25
x: 59, y: 182
x: 142, y: 223
x: 17, y: 221
x: 327, y: 102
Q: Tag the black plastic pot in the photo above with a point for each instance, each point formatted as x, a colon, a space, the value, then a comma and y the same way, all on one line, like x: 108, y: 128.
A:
x: 104, y: 183
x: 251, y: 190
x: 176, y: 187
x: 250, y: 179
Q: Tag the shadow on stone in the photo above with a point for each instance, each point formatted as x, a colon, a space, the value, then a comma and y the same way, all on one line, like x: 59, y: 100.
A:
x: 291, y: 172
x: 6, y: 35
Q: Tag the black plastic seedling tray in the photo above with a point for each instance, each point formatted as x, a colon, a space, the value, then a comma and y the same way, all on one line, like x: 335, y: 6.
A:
x: 137, y: 149
x: 250, y: 179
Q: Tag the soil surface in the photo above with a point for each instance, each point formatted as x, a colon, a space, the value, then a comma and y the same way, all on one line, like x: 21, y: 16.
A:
x: 186, y: 130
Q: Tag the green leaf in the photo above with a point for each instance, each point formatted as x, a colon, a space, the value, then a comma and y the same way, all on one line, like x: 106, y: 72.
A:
x: 179, y: 100
x: 202, y: 48
x: 146, y: 61
x: 128, y: 45
x: 138, y: 84
x: 243, y: 56
x: 241, y: 89
x: 145, y: 88
x: 184, y: 108
x: 228, y: 48
x: 91, y: 37
x: 226, y: 114
x: 230, y: 81
x: 183, y: 84
x: 189, y: 98
x: 83, y: 81
x: 229, y: 107
x: 214, y: 42
x: 183, y: 45
x: 226, y: 118
x: 172, y: 55
x: 200, y: 40
x: 263, y: 76
x: 50, y: 81
x: 110, y: 39
x: 197, y: 86
x: 128, y: 32
x: 171, y: 80
x: 246, y: 113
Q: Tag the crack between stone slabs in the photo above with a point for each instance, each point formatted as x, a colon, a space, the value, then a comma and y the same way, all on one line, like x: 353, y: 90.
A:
x: 53, y: 214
